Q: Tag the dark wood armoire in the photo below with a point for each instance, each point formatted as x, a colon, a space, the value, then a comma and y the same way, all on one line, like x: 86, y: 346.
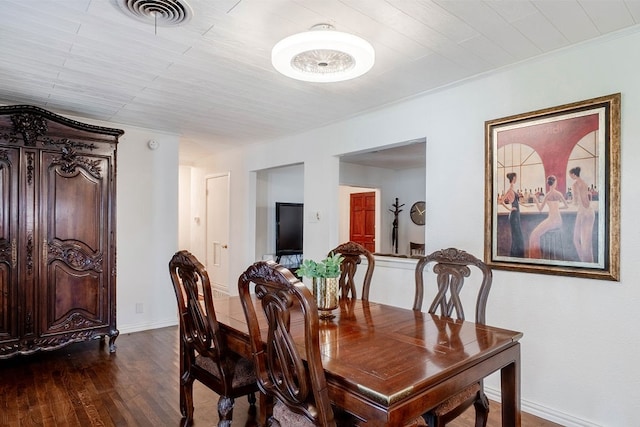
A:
x: 57, y: 231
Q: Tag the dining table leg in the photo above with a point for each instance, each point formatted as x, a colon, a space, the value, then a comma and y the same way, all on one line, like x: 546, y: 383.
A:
x: 510, y: 390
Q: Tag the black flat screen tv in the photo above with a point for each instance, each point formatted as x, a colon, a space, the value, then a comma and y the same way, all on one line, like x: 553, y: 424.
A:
x: 289, y: 224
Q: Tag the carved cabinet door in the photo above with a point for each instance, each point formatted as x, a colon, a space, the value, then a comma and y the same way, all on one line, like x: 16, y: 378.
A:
x: 75, y: 282
x: 57, y: 231
x: 9, y: 169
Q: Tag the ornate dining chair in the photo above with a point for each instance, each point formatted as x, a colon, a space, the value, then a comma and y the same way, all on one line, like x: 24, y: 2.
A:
x: 299, y: 389
x: 353, y: 254
x: 298, y: 386
x: 416, y: 248
x: 203, y: 352
x: 451, y: 267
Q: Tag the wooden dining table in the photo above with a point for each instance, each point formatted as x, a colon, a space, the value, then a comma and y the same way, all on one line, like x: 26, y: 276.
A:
x: 387, y: 365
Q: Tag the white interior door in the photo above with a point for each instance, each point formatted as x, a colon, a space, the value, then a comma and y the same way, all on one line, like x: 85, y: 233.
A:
x: 218, y: 232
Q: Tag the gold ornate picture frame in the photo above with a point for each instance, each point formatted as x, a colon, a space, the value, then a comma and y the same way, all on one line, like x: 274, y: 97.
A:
x: 552, y: 190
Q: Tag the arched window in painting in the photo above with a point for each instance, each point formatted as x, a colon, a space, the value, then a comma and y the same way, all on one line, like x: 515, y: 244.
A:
x: 525, y: 162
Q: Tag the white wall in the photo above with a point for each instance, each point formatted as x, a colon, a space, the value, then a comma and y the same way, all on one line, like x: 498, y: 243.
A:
x: 409, y: 187
x: 185, y: 216
x: 282, y: 184
x: 198, y: 197
x: 580, y: 344
x: 147, y: 221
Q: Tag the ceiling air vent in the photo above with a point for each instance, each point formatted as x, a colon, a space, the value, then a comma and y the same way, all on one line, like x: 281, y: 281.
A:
x: 164, y: 13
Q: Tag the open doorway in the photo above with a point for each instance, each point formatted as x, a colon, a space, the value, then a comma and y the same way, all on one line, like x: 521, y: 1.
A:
x: 394, y: 171
x: 346, y: 216
x: 285, y: 186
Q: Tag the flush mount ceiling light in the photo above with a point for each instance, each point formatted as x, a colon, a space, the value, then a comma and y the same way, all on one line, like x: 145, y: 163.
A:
x: 323, y: 55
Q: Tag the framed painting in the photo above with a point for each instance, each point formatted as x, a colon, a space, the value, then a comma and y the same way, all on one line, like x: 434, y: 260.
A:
x: 552, y: 190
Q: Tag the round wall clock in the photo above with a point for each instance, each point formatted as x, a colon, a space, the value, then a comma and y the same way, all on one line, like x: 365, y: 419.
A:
x: 417, y: 213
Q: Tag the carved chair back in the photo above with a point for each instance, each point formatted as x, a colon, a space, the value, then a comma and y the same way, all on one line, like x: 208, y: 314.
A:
x: 353, y: 254
x: 199, y: 328
x: 203, y: 352
x: 451, y: 267
x: 282, y: 373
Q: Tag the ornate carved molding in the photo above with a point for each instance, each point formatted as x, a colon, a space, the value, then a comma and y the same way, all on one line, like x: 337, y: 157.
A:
x: 69, y: 159
x: 62, y: 340
x: 74, y: 256
x: 350, y: 248
x: 67, y: 144
x: 453, y: 255
x: 74, y: 322
x: 28, y: 324
x: 27, y: 346
x: 30, y: 167
x: 10, y: 137
x: 263, y: 272
x: 31, y: 126
x: 5, y: 251
x: 45, y: 114
x: 7, y: 350
x: 30, y: 253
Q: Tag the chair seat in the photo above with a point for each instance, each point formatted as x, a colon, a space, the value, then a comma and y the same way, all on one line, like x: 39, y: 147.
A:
x: 243, y: 374
x: 454, y: 401
x: 286, y: 417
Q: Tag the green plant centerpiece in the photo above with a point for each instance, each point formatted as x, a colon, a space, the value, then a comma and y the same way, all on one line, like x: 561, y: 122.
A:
x: 327, y: 268
x: 325, y: 275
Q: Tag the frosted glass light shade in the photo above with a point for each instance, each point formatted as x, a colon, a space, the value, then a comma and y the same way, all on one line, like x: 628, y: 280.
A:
x: 323, y: 56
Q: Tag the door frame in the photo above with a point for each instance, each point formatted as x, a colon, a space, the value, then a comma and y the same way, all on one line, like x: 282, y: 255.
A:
x: 217, y: 288
x: 344, y: 212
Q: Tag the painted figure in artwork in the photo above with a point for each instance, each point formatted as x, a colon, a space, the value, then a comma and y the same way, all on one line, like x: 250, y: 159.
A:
x: 585, y: 217
x: 553, y: 221
x: 511, y: 203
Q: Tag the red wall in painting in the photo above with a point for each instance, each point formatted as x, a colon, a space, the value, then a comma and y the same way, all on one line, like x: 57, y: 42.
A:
x: 553, y: 141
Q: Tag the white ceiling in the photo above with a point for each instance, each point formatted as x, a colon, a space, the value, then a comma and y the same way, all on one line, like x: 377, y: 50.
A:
x: 211, y: 79
x: 406, y: 155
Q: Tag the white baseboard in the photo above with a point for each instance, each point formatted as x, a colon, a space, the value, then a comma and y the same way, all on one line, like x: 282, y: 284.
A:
x: 219, y: 292
x: 138, y: 327
x: 545, y: 412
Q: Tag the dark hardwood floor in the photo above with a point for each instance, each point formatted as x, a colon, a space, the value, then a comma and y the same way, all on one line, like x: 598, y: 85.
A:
x: 83, y: 385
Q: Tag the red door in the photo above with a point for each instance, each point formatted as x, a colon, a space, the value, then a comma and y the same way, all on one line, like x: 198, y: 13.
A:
x: 363, y: 219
